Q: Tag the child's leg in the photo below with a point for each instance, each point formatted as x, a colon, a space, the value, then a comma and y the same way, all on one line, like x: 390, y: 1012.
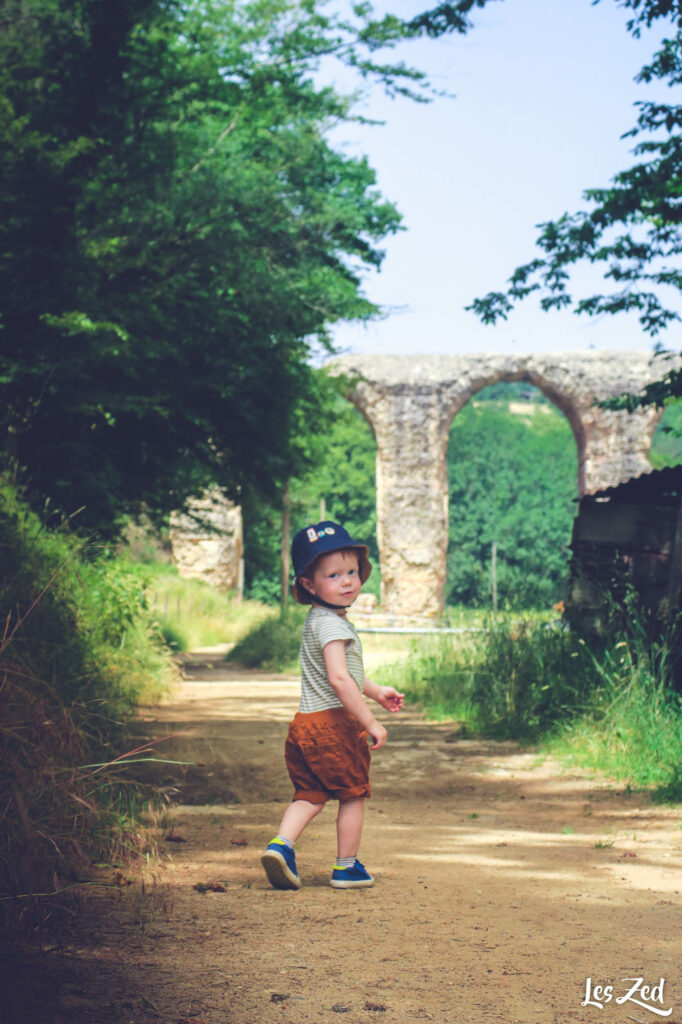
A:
x: 349, y: 824
x: 279, y: 860
x: 298, y: 814
x: 348, y: 872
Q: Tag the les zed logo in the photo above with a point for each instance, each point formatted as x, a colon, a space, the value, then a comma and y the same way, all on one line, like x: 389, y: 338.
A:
x: 640, y: 994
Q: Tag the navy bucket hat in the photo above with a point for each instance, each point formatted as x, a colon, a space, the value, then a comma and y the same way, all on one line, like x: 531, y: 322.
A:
x: 321, y: 539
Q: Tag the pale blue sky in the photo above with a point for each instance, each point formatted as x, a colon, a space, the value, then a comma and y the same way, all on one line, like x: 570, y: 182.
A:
x: 544, y: 90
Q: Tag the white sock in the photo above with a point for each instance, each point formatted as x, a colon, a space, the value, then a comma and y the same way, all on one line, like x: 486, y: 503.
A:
x: 345, y: 862
x: 284, y: 841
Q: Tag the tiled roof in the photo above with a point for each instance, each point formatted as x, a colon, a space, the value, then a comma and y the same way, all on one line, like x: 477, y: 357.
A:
x: 659, y: 487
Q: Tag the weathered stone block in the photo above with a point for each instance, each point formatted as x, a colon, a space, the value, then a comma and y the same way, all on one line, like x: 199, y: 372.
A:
x: 207, y: 542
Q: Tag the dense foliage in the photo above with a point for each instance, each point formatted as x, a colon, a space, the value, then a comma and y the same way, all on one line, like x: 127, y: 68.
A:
x: 176, y: 235
x: 513, y: 481
x: 343, y: 477
x: 632, y: 227
x: 666, y: 447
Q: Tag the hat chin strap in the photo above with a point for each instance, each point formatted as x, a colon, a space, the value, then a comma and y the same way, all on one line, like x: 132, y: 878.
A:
x: 326, y: 604
x: 320, y: 600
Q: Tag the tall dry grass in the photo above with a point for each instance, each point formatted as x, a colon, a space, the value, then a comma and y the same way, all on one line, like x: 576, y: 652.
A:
x: 78, y: 651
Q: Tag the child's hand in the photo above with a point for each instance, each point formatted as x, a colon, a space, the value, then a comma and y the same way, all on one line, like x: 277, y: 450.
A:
x: 378, y: 735
x: 390, y: 699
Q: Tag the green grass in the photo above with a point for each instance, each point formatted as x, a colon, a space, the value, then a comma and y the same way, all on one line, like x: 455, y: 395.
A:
x: 511, y: 680
x: 460, y: 617
x: 611, y: 707
x: 436, y: 674
x: 632, y: 729
x: 274, y: 642
x: 191, y: 614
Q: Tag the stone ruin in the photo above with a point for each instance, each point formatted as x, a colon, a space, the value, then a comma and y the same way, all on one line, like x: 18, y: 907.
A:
x: 207, y: 543
x: 410, y: 402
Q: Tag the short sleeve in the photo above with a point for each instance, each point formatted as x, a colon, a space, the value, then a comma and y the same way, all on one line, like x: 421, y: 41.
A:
x: 330, y: 628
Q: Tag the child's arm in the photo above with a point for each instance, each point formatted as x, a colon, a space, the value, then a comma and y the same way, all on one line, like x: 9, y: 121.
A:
x: 387, y: 696
x: 345, y: 688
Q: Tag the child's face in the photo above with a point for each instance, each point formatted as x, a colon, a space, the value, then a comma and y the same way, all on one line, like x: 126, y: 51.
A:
x: 336, y: 578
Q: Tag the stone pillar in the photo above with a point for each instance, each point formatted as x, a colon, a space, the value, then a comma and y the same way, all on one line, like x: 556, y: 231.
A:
x: 617, y: 446
x: 411, y: 432
x: 207, y: 542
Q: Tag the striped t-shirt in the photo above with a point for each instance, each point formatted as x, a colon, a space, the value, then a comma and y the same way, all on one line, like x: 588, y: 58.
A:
x: 321, y: 626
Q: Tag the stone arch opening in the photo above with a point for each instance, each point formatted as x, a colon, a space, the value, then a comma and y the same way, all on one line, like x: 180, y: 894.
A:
x: 512, y: 468
x: 565, y: 402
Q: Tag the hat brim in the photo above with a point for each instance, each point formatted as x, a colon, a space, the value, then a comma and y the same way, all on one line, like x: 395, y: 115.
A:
x: 303, y: 596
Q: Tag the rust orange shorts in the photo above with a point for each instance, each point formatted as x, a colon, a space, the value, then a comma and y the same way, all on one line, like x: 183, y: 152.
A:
x: 327, y: 756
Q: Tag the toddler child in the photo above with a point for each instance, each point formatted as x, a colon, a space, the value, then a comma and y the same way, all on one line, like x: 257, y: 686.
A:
x: 326, y: 751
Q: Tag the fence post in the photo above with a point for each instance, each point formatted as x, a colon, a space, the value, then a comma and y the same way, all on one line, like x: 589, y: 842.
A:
x: 284, y: 591
x: 494, y: 571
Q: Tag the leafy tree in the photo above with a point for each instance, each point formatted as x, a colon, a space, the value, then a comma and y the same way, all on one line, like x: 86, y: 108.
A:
x: 666, y: 447
x: 176, y: 238
x: 513, y: 481
x: 632, y: 227
x: 343, y: 475
x: 346, y: 478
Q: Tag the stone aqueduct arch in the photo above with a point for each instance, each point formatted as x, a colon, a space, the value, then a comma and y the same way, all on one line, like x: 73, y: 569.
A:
x: 410, y: 402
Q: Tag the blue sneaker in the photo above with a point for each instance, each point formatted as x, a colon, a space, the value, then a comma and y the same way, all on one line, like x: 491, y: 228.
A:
x: 279, y: 862
x: 356, y: 877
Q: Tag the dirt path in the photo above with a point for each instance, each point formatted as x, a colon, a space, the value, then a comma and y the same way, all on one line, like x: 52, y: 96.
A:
x: 501, y: 886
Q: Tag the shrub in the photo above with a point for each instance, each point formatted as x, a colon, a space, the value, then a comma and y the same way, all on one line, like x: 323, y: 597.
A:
x: 273, y: 643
